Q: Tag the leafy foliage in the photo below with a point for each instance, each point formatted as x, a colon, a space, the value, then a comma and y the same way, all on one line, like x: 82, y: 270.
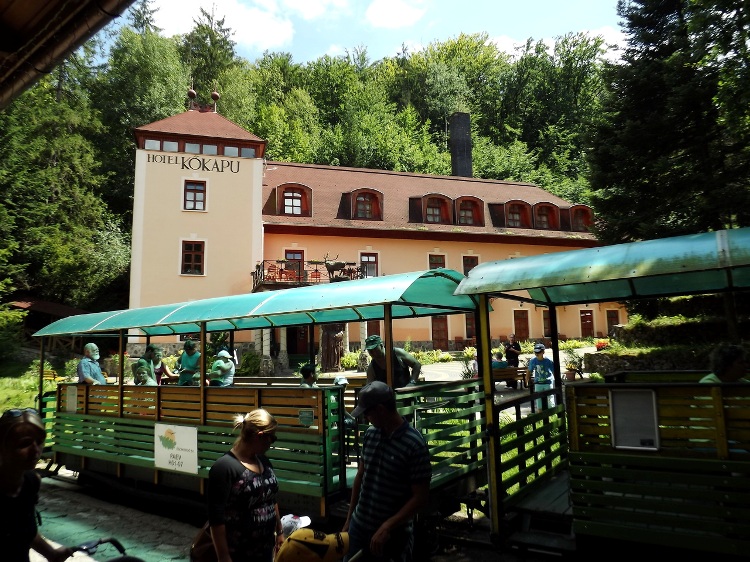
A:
x: 665, y: 161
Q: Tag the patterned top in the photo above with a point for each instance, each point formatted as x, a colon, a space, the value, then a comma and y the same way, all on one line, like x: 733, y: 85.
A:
x: 543, y: 371
x: 391, y: 465
x: 245, y: 502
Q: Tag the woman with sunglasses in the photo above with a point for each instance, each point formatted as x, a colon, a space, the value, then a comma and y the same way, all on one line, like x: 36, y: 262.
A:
x: 22, y: 436
x: 242, y: 509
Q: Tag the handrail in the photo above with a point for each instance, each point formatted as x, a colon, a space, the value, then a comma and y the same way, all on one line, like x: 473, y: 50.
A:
x: 296, y: 273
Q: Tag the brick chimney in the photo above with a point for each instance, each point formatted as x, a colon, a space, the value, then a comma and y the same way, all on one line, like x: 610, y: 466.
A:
x: 460, y: 145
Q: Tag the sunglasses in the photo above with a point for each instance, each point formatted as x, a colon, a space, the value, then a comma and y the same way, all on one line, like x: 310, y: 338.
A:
x: 18, y: 412
x: 271, y: 436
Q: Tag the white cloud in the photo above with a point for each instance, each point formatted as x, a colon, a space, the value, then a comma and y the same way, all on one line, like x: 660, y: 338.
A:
x: 394, y: 14
x: 262, y: 27
x: 314, y: 9
x: 335, y: 51
x: 507, y: 44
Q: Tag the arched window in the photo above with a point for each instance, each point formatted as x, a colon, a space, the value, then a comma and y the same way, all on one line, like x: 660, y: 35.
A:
x: 436, y: 211
x: 543, y: 218
x: 581, y: 220
x: 292, y: 202
x: 515, y: 215
x: 365, y: 208
x: 466, y: 212
x: 367, y: 205
x: 295, y: 201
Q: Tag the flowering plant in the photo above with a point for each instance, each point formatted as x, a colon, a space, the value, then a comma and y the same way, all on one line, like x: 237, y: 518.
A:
x: 601, y: 344
x: 573, y: 361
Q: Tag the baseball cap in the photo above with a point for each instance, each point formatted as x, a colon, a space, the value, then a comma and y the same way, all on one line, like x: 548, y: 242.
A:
x: 290, y: 523
x: 371, y: 395
x: 224, y: 353
x: 372, y: 342
x: 539, y: 347
x: 340, y: 380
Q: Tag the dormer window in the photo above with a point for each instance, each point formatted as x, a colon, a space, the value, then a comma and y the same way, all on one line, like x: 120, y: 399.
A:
x: 514, y: 215
x: 436, y: 211
x: 295, y: 201
x: 469, y: 212
x: 546, y: 217
x: 581, y: 219
x: 542, y: 218
x: 519, y: 215
x: 367, y: 206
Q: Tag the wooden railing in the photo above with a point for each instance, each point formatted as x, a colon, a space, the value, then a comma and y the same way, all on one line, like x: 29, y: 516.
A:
x: 531, y: 448
x: 111, y: 430
x: 662, y: 463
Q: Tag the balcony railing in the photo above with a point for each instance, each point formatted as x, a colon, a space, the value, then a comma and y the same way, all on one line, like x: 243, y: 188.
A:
x: 293, y: 273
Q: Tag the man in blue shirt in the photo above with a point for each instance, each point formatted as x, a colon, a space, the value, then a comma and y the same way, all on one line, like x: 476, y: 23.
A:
x: 88, y: 368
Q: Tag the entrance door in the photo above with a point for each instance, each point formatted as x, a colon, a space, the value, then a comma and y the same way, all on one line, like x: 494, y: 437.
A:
x: 295, y: 264
x: 297, y: 340
x: 613, y: 319
x: 521, y: 324
x: 440, y: 332
x: 587, y: 323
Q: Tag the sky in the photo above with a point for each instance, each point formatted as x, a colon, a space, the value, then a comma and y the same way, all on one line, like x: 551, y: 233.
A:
x: 310, y: 29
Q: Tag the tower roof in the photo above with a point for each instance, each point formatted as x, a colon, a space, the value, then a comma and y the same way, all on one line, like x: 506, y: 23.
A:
x: 200, y: 124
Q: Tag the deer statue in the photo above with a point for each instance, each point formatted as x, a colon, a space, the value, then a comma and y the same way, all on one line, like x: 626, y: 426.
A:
x: 333, y: 266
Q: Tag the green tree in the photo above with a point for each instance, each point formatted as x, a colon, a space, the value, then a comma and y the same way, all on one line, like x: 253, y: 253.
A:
x: 208, y: 51
x: 275, y: 76
x: 49, y: 182
x: 141, y: 16
x: 329, y: 80
x: 663, y: 161
x: 144, y: 81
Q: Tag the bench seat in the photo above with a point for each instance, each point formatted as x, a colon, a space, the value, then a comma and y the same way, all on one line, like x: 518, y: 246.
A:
x: 509, y: 374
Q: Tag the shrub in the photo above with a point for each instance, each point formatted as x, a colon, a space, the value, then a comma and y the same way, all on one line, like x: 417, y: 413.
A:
x: 71, y: 369
x: 601, y: 344
x: 349, y: 360
x: 249, y: 364
x: 432, y: 356
x: 11, y: 331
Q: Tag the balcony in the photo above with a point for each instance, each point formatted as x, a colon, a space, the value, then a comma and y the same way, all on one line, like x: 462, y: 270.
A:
x: 282, y: 274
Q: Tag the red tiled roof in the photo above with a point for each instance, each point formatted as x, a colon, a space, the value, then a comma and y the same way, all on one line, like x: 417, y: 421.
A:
x: 201, y: 123
x: 328, y: 183
x: 46, y: 307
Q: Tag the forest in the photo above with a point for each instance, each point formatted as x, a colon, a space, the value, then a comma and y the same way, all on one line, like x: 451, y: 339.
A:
x: 654, y: 138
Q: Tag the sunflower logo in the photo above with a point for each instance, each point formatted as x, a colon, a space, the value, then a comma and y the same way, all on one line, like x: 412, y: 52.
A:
x: 168, y: 440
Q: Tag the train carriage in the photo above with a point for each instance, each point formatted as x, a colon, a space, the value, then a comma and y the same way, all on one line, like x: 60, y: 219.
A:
x: 663, y: 461
x: 169, y: 436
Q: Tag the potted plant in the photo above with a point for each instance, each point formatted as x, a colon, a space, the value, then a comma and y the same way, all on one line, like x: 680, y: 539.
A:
x: 573, y: 364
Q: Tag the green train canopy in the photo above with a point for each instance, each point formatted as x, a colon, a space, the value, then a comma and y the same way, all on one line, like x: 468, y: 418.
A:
x: 712, y: 262
x: 406, y: 295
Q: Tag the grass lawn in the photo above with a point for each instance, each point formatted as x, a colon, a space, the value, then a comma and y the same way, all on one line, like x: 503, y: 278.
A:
x: 19, y: 384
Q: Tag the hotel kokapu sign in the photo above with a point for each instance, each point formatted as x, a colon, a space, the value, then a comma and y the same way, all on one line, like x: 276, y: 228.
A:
x: 196, y: 163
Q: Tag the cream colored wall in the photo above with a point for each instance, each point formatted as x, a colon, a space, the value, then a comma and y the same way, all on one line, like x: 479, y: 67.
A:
x: 399, y: 256
x: 232, y: 230
x: 233, y: 240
